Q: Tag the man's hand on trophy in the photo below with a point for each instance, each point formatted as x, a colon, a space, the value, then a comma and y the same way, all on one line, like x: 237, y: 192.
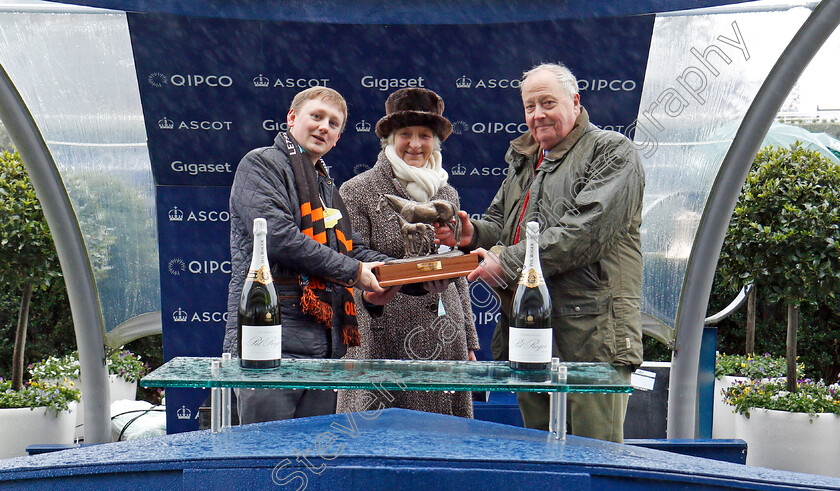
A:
x: 367, y: 280
x: 445, y: 235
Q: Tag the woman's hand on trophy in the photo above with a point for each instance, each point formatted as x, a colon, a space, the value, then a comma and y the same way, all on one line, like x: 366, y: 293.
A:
x: 436, y: 286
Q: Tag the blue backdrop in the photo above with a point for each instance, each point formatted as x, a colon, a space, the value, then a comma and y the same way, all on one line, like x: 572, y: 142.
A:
x: 212, y: 89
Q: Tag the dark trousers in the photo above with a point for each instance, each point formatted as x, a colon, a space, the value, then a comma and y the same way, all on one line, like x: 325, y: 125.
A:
x: 260, y: 405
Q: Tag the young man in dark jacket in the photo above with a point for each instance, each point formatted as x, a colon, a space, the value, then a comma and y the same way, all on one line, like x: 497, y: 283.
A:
x: 315, y: 258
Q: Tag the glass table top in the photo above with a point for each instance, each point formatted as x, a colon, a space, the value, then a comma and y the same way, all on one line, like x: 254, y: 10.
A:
x: 385, y: 375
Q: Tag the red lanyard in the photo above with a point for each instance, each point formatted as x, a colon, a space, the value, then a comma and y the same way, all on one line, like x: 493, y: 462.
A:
x: 527, y: 197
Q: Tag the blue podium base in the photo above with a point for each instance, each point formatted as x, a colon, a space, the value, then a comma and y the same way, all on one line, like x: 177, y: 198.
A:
x: 391, y: 449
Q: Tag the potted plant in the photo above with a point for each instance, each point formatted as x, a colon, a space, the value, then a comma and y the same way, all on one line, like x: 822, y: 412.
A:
x: 35, y: 413
x: 125, y: 369
x: 795, y: 431
x: 732, y: 369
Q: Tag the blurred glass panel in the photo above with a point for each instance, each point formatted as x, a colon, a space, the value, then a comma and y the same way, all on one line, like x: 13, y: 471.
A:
x: 703, y: 73
x: 74, y: 69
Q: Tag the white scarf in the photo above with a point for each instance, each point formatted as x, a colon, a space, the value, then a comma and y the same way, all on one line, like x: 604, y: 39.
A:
x: 421, y: 183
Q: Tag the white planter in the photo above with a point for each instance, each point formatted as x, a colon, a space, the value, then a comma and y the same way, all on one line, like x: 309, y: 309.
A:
x: 723, y: 418
x: 120, y: 389
x: 791, y: 441
x: 23, y: 427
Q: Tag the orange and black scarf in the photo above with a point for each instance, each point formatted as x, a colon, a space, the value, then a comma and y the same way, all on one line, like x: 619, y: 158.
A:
x: 316, y: 300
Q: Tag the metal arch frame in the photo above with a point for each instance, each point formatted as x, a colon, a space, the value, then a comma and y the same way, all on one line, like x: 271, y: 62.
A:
x: 697, y: 284
x: 72, y: 254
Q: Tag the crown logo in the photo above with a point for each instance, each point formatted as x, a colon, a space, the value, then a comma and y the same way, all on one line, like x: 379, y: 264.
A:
x: 179, y: 315
x: 183, y: 413
x: 459, y: 170
x: 176, y: 215
x: 463, y: 82
x: 363, y: 126
x: 260, y: 81
x: 166, y: 124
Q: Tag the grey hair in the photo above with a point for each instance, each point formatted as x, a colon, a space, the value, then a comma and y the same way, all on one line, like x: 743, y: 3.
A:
x: 389, y: 140
x: 563, y: 75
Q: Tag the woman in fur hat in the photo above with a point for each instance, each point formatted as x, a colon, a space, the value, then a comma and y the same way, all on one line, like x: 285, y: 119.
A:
x: 430, y: 326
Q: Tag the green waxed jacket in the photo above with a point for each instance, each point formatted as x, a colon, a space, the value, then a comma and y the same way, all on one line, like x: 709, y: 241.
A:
x: 587, y: 196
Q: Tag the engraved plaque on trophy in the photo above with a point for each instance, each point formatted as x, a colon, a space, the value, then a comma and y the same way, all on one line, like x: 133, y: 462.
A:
x: 423, y: 262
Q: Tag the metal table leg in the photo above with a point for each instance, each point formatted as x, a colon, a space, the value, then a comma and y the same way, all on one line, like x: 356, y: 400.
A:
x: 225, y: 409
x: 557, y: 403
x: 215, y: 400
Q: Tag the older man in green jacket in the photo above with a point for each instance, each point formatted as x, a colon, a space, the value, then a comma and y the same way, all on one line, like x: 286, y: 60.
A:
x: 584, y: 186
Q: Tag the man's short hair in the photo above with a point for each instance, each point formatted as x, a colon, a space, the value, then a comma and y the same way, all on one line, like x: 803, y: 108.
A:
x: 567, y: 80
x: 327, y: 94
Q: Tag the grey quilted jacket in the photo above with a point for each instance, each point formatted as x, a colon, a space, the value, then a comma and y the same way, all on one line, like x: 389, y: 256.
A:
x: 264, y: 187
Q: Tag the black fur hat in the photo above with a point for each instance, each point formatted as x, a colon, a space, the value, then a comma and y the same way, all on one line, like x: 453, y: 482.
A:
x: 414, y: 107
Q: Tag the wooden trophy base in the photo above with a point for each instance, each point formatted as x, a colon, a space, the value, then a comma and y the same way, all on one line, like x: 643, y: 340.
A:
x: 450, y: 264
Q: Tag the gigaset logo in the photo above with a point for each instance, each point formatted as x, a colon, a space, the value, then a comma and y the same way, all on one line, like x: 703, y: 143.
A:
x: 158, y: 79
x: 384, y: 84
x: 197, y: 168
x: 272, y: 125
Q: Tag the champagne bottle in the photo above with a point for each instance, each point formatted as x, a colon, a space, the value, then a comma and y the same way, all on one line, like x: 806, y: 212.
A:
x: 259, y: 313
x: 530, y: 321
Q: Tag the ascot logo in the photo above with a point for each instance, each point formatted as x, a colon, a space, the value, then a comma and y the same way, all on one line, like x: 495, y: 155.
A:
x: 184, y: 413
x: 490, y: 83
x: 363, y: 127
x: 176, y: 267
x: 182, y: 316
x: 260, y: 81
x: 166, y: 124
x: 175, y: 215
x: 462, y: 170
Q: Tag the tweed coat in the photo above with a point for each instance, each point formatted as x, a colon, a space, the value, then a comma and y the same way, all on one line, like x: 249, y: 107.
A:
x: 409, y: 327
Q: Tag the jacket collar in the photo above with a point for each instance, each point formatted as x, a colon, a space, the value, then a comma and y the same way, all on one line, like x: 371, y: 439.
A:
x: 526, y: 146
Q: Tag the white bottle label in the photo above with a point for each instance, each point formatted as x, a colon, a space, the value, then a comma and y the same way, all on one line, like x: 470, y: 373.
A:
x: 261, y: 342
x: 530, y: 345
